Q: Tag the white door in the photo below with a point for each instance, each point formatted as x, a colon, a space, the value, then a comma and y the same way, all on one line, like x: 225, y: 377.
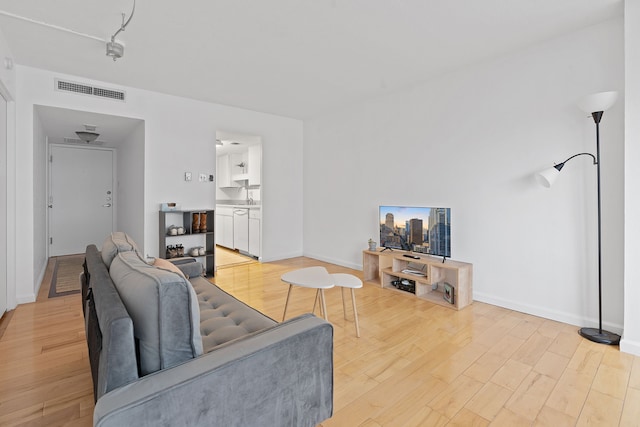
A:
x: 80, y: 199
x: 3, y: 205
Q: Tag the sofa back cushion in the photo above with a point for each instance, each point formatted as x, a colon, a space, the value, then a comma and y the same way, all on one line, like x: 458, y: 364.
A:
x: 115, y: 243
x: 164, y: 309
x: 110, y: 338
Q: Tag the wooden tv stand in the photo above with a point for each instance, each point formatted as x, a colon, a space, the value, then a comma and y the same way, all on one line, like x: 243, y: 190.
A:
x: 385, y: 267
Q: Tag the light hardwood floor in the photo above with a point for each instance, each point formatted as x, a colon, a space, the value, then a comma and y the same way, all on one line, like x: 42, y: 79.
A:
x: 416, y: 364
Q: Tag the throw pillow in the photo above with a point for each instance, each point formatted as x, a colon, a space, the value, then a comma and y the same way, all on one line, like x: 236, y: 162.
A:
x: 115, y: 243
x: 168, y: 265
x: 164, y: 309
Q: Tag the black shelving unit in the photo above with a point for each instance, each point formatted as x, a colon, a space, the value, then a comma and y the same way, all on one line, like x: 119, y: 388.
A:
x: 184, y: 219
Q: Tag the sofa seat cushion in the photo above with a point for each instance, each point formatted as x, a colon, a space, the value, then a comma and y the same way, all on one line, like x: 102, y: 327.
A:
x: 224, y: 318
x: 115, y: 243
x: 164, y: 309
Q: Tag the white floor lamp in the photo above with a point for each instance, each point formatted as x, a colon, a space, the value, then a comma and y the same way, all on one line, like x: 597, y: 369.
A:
x: 596, y: 105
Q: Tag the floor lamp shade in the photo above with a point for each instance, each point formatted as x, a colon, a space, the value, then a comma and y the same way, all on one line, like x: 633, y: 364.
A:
x: 547, y: 177
x: 600, y: 101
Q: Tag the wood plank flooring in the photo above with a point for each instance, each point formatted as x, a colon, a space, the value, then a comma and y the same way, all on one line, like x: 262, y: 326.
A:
x: 416, y: 364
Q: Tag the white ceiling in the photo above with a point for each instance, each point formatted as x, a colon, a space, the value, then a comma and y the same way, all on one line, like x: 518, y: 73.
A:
x: 60, y: 123
x: 296, y: 58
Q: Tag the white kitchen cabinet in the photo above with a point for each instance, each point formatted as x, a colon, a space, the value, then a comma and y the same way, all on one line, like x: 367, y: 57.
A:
x: 254, y: 232
x: 224, y: 227
x: 241, y: 229
x: 255, y: 164
x: 224, y: 172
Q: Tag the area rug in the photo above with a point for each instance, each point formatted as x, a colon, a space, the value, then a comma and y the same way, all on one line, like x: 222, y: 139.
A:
x: 226, y: 258
x: 66, y: 275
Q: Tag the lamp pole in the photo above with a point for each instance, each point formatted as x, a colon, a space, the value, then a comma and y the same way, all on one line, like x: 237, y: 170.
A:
x: 592, y: 334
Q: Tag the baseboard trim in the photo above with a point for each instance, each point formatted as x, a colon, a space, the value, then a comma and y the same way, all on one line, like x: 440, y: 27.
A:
x: 25, y: 299
x: 631, y: 347
x: 280, y: 257
x: 545, y: 313
x: 334, y: 261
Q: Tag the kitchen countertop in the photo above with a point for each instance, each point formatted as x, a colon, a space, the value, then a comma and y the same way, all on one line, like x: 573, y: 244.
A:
x: 236, y: 205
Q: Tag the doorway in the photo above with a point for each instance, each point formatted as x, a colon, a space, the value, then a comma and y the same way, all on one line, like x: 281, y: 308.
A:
x: 239, y: 200
x: 81, y: 199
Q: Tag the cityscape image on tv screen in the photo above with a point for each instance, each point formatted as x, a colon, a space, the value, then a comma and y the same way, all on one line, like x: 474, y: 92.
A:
x: 416, y: 229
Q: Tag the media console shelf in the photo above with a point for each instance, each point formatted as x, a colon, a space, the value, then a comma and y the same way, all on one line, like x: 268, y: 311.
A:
x: 387, y: 267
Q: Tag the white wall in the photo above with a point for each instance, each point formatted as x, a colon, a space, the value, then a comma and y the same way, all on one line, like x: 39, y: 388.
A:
x: 8, y: 89
x: 631, y: 338
x: 130, y: 184
x: 7, y: 76
x: 179, y: 136
x: 40, y: 229
x: 472, y: 140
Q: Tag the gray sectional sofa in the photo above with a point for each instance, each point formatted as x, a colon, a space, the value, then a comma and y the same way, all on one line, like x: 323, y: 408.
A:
x: 170, y: 350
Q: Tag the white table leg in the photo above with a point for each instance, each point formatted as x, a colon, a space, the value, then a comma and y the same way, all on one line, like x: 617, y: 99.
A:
x: 315, y: 302
x: 324, y: 305
x: 344, y: 305
x: 355, y: 311
x: 287, y: 302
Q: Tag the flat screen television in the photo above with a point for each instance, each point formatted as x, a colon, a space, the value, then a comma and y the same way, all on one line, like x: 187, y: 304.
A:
x: 416, y: 229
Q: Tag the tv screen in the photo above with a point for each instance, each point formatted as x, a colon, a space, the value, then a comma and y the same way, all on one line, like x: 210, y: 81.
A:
x: 416, y: 229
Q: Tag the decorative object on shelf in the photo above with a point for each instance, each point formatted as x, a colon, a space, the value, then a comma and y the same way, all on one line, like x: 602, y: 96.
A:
x: 194, y: 252
x: 448, y: 294
x: 372, y: 245
x: 172, y: 252
x: 202, y: 251
x: 179, y: 250
x: 180, y: 230
x: 405, y: 285
x: 173, y: 230
x: 203, y: 222
x: 195, y: 224
x: 168, y: 207
x: 595, y: 105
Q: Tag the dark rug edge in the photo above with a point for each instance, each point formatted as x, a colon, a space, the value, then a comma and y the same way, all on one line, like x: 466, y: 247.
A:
x: 52, y: 286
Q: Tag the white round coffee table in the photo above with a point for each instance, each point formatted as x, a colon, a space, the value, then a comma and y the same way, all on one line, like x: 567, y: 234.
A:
x: 309, y: 277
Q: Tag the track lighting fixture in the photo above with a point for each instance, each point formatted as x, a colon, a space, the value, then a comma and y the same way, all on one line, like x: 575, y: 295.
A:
x: 114, y: 48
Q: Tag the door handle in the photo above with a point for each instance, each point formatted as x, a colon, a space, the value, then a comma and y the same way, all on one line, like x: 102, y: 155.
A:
x: 106, y: 205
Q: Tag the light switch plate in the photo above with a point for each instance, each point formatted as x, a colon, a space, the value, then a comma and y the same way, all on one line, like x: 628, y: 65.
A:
x: 187, y: 176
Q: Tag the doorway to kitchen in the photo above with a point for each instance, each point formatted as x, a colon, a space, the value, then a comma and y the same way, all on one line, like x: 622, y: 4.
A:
x: 239, y: 201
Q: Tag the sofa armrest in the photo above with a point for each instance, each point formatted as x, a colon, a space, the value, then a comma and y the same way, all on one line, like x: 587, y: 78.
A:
x: 282, y: 376
x: 190, y: 267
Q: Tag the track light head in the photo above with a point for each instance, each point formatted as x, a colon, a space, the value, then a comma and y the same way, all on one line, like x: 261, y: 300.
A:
x: 115, y: 49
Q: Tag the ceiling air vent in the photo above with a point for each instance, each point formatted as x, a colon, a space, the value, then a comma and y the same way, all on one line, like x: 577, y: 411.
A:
x: 83, y: 89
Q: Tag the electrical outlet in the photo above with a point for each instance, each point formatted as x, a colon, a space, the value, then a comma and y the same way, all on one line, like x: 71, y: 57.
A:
x: 187, y: 176
x: 203, y: 177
